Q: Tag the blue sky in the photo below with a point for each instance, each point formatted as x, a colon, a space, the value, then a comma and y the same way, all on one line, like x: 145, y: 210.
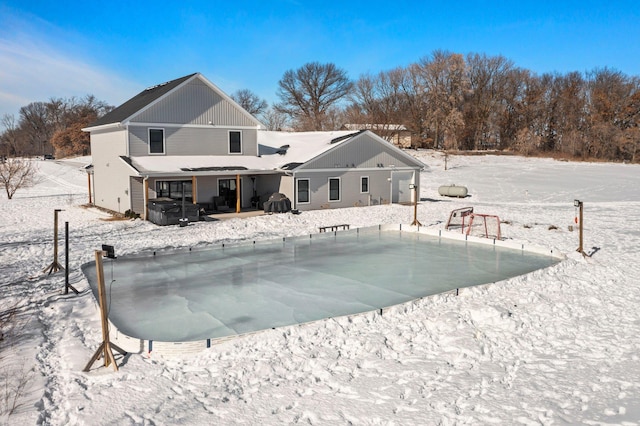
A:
x: 115, y: 49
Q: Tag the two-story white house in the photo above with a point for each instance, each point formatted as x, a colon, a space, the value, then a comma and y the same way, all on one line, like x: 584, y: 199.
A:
x: 187, y: 136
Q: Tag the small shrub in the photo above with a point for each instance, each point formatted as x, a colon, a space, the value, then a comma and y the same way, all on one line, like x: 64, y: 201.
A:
x: 552, y: 227
x: 14, y: 379
x: 13, y: 386
x: 527, y: 226
x: 131, y: 214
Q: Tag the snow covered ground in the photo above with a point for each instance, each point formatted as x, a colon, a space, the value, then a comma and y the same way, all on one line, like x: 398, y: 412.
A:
x: 557, y: 346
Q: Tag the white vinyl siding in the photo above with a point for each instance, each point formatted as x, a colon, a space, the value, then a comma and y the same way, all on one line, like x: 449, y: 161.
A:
x: 110, y: 174
x: 196, y: 103
x: 156, y: 141
x: 191, y: 141
x: 364, y: 151
x: 334, y: 189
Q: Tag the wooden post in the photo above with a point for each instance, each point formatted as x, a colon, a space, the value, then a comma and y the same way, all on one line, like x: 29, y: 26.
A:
x: 237, y: 193
x: 54, y: 266
x: 67, y: 286
x: 580, y: 249
x: 105, y: 348
x: 415, y: 222
x: 194, y: 189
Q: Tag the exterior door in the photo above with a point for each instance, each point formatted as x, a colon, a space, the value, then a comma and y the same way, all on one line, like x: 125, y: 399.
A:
x: 227, y: 189
x: 400, y: 191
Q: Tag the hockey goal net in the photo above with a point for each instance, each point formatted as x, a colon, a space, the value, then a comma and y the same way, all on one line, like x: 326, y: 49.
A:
x: 476, y: 224
x: 459, y: 219
x: 484, y: 225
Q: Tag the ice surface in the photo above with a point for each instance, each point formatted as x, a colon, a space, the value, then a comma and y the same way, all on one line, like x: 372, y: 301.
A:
x: 194, y: 295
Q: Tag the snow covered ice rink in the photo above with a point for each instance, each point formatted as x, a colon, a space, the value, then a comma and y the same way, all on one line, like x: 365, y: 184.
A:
x: 557, y: 346
x: 189, y: 295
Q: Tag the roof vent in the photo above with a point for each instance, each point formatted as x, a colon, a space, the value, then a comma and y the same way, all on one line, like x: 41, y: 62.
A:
x: 156, y: 86
x: 282, y: 150
x: 341, y: 138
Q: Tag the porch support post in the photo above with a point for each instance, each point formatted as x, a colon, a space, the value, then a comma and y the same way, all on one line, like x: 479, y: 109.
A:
x: 237, y: 193
x: 194, y: 189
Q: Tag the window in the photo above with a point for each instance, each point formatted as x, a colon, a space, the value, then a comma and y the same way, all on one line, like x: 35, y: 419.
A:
x: 156, y: 141
x: 334, y: 189
x: 364, y: 184
x: 173, y: 189
x: 235, y: 142
x: 303, y: 191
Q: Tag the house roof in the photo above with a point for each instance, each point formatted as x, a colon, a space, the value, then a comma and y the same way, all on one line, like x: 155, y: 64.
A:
x: 298, y: 147
x: 140, y: 101
x: 196, y: 164
x: 277, y: 151
x: 390, y: 127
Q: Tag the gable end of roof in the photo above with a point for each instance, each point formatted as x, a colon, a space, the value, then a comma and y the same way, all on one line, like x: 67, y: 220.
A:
x: 139, y: 102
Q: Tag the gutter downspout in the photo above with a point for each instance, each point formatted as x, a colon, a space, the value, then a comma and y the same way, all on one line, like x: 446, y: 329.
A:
x: 294, y: 205
x: 295, y: 195
x: 89, y: 185
x: 126, y: 127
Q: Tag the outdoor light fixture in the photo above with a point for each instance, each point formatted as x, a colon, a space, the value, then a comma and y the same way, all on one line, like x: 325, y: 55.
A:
x: 577, y: 203
x: 412, y: 186
x: 111, y: 254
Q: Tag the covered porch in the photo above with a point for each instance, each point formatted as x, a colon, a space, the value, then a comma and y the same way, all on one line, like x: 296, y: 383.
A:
x: 216, y: 193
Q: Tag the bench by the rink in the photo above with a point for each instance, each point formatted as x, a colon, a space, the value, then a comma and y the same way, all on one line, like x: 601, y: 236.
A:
x: 333, y: 228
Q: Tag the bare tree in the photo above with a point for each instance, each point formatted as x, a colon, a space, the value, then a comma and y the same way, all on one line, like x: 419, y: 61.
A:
x: 250, y: 101
x: 444, y: 80
x: 483, y: 105
x: 377, y: 101
x: 413, y: 101
x: 274, y: 119
x: 36, y: 123
x: 9, y: 139
x: 613, y: 114
x: 364, y: 101
x: 16, y: 173
x: 69, y: 139
x: 308, y: 93
x: 567, y: 124
x: 631, y: 118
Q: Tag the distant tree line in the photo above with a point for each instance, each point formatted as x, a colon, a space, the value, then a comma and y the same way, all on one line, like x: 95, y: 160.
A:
x: 52, y: 127
x: 474, y: 102
x: 445, y: 100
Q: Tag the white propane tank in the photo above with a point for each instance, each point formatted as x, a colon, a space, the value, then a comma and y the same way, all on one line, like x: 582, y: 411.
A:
x: 453, y: 191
